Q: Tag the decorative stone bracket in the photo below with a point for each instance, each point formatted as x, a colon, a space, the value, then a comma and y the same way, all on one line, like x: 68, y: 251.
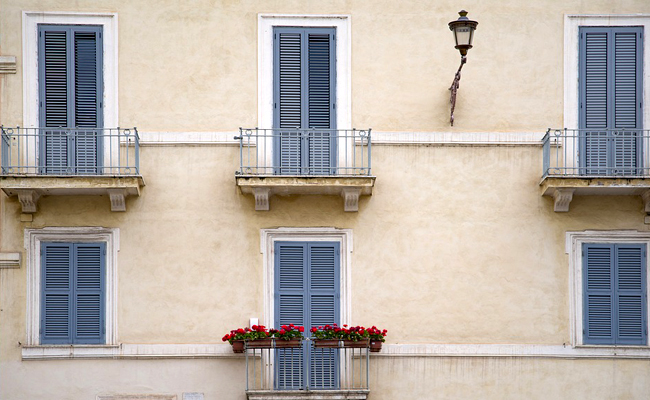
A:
x: 562, y: 199
x: 31, y: 188
x: 350, y: 188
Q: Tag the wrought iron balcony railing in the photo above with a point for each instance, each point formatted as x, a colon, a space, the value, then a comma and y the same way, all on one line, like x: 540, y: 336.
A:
x: 589, y: 153
x: 70, y: 151
x: 304, y: 152
x: 336, y: 367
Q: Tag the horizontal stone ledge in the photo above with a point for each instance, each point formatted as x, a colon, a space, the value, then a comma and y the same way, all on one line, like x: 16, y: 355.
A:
x: 170, y: 351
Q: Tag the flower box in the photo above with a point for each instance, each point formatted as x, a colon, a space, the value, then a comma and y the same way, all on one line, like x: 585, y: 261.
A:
x: 375, y: 346
x: 237, y: 346
x: 259, y: 344
x: 326, y: 343
x: 283, y: 344
x: 356, y: 344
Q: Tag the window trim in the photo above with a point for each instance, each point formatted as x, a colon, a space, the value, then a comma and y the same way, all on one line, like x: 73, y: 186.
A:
x: 268, y: 237
x: 108, y: 22
x: 572, y: 24
x: 33, y: 239
x: 574, y: 243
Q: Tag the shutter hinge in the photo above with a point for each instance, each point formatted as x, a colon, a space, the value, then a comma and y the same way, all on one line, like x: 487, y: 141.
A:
x: 334, y: 105
x: 104, y: 251
x: 40, y: 34
x: 100, y: 35
x: 101, y: 105
x: 41, y: 104
x: 275, y: 36
x: 275, y: 105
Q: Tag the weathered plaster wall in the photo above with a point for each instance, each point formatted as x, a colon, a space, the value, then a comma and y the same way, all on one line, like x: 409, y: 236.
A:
x: 454, y: 239
x: 193, y: 65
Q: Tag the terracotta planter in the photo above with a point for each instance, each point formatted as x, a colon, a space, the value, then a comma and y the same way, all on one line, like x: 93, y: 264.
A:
x: 375, y: 346
x: 238, y: 346
x: 359, y: 344
x: 259, y: 344
x: 326, y: 343
x: 283, y: 344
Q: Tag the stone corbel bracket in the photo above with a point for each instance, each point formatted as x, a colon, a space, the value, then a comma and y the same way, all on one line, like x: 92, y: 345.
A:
x: 7, y: 64
x: 645, y: 196
x: 562, y: 199
x: 28, y: 200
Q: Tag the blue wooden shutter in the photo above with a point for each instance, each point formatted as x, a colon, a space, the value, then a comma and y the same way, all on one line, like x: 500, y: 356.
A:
x: 307, y: 293
x: 87, y: 91
x: 56, y: 293
x: 304, y: 84
x: 55, y: 97
x: 70, y: 92
x: 610, y: 98
x: 291, y: 306
x: 72, y: 293
x: 631, y: 294
x: 89, y: 268
x: 323, y: 309
x: 614, y: 294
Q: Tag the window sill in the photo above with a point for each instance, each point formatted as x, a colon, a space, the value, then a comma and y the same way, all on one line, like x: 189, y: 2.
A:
x: 131, y: 350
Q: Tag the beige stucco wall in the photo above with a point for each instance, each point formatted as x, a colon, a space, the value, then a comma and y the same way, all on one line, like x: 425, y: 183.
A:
x: 193, y: 65
x: 456, y: 245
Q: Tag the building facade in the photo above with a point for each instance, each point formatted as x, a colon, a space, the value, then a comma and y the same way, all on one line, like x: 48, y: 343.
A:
x: 173, y: 171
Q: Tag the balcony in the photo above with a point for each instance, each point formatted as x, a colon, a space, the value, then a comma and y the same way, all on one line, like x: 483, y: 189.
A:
x: 588, y: 162
x: 332, y: 373
x: 40, y: 162
x: 305, y: 162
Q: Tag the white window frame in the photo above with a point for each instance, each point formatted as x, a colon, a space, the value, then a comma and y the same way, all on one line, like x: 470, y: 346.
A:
x: 572, y: 24
x: 266, y: 23
x: 574, y: 242
x: 31, y: 20
x: 33, y: 239
x: 267, y: 248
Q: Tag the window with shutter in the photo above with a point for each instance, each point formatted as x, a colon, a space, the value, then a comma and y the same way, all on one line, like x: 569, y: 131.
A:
x: 614, y: 290
x: 307, y: 293
x: 70, y: 92
x: 72, y: 293
x: 304, y: 101
x: 611, y: 90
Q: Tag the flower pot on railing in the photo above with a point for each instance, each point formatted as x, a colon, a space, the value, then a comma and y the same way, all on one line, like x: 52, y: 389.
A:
x: 237, y: 346
x: 259, y: 344
x: 356, y: 344
x: 375, y: 346
x: 286, y: 344
x: 326, y: 343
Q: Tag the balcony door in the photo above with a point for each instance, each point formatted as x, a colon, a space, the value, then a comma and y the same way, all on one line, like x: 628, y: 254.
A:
x: 307, y: 284
x: 611, y: 70
x: 304, y: 109
x: 70, y: 99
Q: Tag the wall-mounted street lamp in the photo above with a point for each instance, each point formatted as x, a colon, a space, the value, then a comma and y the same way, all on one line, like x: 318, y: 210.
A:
x: 463, y: 29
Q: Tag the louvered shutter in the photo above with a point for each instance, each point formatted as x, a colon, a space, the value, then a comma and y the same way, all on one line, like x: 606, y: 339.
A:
x: 307, y: 293
x: 72, y: 293
x: 630, y: 295
x: 56, y: 293
x: 304, y: 83
x: 291, y: 305
x: 323, y: 309
x: 598, y: 297
x: 89, y: 293
x: 614, y: 294
x: 610, y: 99
x: 70, y: 90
